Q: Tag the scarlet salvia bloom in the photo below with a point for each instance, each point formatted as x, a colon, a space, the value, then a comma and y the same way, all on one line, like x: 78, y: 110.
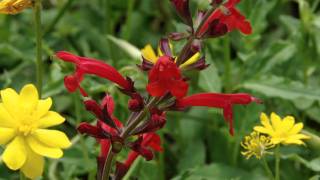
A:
x: 224, y: 101
x: 149, y: 141
x: 91, y: 66
x: 166, y: 77
x: 228, y: 15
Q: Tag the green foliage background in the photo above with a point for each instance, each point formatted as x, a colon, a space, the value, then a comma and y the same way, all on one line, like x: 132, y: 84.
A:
x: 279, y: 63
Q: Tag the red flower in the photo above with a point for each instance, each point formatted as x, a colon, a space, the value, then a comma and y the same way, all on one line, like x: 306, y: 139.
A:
x: 148, y: 141
x: 224, y: 101
x: 91, y: 66
x: 182, y: 8
x: 229, y: 16
x: 166, y: 77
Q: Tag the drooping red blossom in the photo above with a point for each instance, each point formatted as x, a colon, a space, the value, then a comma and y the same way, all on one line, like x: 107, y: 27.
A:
x: 149, y: 141
x: 166, y: 77
x: 228, y: 15
x: 91, y: 66
x: 182, y: 8
x: 224, y: 101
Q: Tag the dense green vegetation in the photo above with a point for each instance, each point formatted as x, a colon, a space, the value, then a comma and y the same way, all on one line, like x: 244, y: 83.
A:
x: 279, y: 63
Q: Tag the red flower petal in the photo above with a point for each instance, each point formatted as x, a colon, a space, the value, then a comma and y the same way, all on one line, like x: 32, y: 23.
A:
x: 224, y: 101
x: 233, y: 19
x: 91, y: 66
x: 165, y: 77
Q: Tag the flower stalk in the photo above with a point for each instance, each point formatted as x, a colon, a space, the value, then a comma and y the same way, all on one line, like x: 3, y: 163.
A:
x: 267, y: 168
x: 277, y: 163
x: 38, y: 31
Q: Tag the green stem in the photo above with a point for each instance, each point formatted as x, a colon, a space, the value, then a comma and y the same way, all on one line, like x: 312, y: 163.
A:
x: 227, y: 63
x: 107, y: 165
x: 39, y: 63
x: 137, y: 119
x: 22, y: 177
x: 78, y: 120
x: 60, y: 14
x: 277, y: 165
x: 267, y: 168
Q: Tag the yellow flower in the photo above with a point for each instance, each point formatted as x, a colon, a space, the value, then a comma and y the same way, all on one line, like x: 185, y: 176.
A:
x: 256, y: 145
x: 23, y: 119
x: 149, y: 54
x: 14, y: 6
x: 283, y: 131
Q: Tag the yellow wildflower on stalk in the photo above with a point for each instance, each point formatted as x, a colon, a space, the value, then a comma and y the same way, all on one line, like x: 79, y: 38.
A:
x: 283, y: 131
x: 256, y: 145
x: 14, y: 6
x: 149, y: 54
x: 23, y: 122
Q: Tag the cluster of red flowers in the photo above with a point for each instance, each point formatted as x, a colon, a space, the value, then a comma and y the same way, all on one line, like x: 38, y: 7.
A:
x: 167, y: 86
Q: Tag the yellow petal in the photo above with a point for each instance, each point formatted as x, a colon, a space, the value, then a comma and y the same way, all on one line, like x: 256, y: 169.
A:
x: 149, y: 54
x: 28, y: 98
x: 265, y: 121
x: 34, y: 165
x: 287, y: 123
x: 14, y: 6
x: 293, y: 141
x: 262, y: 129
x: 6, y: 120
x: 6, y: 134
x: 42, y: 149
x: 191, y: 60
x: 276, y: 122
x: 14, y: 156
x: 10, y: 98
x: 296, y: 129
x: 50, y: 119
x: 43, y: 107
x: 299, y: 136
x: 52, y: 138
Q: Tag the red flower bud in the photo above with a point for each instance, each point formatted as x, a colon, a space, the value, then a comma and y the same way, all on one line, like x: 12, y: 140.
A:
x: 182, y: 8
x: 94, y: 131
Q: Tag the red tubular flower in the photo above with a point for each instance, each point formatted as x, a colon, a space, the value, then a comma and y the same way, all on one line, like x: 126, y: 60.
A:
x: 91, y: 66
x: 229, y: 16
x: 149, y: 140
x: 182, y: 8
x: 224, y: 101
x: 165, y: 77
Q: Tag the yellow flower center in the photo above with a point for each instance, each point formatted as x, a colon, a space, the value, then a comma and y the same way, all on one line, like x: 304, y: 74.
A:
x: 26, y: 130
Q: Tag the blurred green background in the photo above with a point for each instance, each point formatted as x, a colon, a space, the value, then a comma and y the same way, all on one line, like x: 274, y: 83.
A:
x: 278, y: 63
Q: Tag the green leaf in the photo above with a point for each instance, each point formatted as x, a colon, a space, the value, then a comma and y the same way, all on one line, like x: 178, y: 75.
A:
x: 209, y: 79
x: 273, y: 86
x: 126, y: 47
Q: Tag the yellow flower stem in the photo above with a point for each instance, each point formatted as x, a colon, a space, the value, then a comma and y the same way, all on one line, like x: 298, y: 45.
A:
x: 39, y: 64
x: 22, y: 177
x: 277, y: 163
x: 267, y: 168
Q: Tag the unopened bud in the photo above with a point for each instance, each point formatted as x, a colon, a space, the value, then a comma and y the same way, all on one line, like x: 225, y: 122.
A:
x: 135, y: 105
